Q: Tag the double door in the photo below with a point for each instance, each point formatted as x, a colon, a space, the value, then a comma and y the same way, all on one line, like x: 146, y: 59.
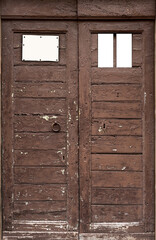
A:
x: 78, y: 137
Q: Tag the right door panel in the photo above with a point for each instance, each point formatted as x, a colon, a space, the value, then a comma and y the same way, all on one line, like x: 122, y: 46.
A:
x: 117, y: 132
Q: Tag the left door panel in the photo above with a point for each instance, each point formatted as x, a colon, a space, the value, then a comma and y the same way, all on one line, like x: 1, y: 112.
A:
x: 39, y: 131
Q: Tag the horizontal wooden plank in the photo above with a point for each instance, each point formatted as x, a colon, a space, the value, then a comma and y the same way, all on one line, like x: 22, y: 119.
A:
x: 40, y: 175
x: 40, y: 157
x: 116, y: 75
x: 116, y: 196
x: 53, y: 8
x: 45, y: 90
x: 42, y: 141
x: 18, y: 39
x: 116, y: 144
x: 116, y: 8
x: 39, y: 192
x: 116, y: 109
x: 116, y: 127
x: 51, y: 216
x: 39, y: 206
x: 39, y: 73
x: 35, y: 123
x: 116, y: 213
x: 44, y: 234
x: 41, y: 226
x: 113, y: 179
x: 118, y: 235
x: 117, y: 162
x: 40, y: 106
x: 116, y: 92
x: 18, y: 59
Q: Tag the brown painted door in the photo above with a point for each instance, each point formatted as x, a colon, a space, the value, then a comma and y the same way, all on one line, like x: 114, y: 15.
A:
x: 116, y: 133
x: 44, y: 177
x: 40, y: 181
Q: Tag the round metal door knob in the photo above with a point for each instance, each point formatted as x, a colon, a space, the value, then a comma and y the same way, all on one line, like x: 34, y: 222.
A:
x: 56, y: 127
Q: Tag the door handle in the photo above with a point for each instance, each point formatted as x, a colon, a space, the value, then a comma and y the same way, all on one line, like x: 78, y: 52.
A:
x: 56, y: 127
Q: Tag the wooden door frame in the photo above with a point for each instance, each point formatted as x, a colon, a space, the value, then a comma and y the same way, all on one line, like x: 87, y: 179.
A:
x: 1, y: 141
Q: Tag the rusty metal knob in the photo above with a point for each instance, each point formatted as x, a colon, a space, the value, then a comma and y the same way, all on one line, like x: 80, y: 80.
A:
x: 56, y: 127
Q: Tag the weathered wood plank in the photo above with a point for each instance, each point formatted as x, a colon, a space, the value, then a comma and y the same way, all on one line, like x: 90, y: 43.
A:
x: 40, y: 192
x: 40, y: 106
x: 113, y: 179
x: 32, y: 207
x: 116, y: 75
x: 116, y: 92
x: 39, y: 175
x: 84, y: 125
x: 117, y: 144
x: 149, y: 127
x: 73, y: 127
x: 60, y: 226
x: 118, y: 235
x: 7, y: 123
x: 43, y: 141
x: 116, y: 8
x: 116, y: 213
x: 116, y: 196
x: 42, y: 123
x: 116, y: 110
x: 18, y: 39
x: 18, y: 59
x: 117, y: 162
x: 45, y: 90
x: 34, y: 8
x: 116, y: 127
x: 40, y: 235
x: 40, y: 157
x: 51, y: 216
x: 39, y: 73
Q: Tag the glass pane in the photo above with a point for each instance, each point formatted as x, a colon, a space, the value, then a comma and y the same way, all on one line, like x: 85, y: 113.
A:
x: 40, y: 48
x: 105, y: 50
x: 124, y: 50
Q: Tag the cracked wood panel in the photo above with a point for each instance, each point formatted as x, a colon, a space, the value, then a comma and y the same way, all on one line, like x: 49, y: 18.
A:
x: 117, y: 127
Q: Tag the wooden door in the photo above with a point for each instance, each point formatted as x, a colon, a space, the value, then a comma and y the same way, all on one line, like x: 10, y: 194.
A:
x: 44, y: 177
x: 40, y: 181
x: 116, y: 134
